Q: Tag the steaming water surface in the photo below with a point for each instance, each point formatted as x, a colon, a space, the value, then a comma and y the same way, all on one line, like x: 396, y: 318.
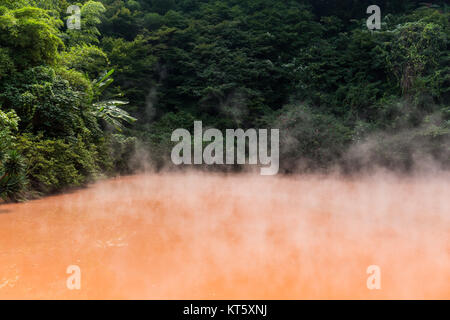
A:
x: 197, y: 236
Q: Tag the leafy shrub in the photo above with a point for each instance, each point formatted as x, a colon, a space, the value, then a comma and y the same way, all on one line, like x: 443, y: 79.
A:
x: 55, y: 164
x: 12, y: 167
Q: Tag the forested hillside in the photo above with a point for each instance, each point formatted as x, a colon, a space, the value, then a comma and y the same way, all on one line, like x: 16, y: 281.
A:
x: 339, y: 93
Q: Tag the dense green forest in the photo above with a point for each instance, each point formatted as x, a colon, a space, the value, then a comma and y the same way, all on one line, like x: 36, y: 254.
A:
x: 76, y: 105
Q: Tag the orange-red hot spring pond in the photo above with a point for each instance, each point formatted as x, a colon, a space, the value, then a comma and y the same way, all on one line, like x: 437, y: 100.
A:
x: 210, y: 236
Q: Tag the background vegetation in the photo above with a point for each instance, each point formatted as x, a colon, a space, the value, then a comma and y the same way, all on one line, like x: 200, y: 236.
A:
x: 338, y: 92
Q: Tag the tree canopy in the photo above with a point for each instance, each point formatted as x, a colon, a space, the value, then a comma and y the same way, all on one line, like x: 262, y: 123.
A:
x: 310, y: 68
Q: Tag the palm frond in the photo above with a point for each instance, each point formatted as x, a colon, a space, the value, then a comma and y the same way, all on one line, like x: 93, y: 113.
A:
x: 108, y: 110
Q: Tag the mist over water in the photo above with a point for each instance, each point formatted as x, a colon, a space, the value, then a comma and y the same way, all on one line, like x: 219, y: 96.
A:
x: 214, y: 236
